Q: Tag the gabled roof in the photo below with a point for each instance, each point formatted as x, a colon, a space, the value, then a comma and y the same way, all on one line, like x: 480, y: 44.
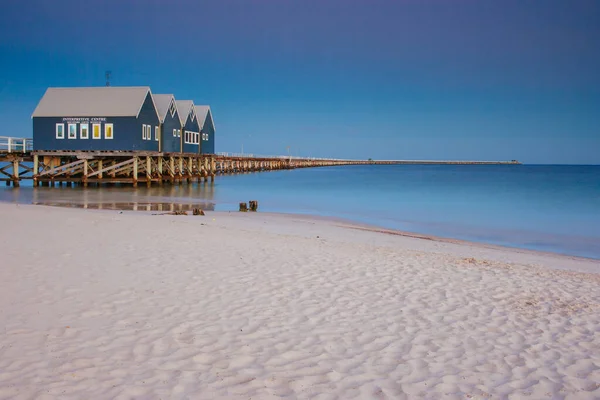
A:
x: 201, y: 113
x: 109, y: 101
x: 183, y: 108
x: 163, y: 102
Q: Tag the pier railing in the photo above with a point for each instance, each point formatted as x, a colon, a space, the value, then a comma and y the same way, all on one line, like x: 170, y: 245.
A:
x: 282, y: 157
x: 15, y: 145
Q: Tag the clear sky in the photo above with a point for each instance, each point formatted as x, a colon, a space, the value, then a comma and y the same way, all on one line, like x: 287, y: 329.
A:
x: 395, y: 79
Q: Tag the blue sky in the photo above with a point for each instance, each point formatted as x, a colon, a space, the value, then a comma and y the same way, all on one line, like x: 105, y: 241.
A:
x: 396, y: 79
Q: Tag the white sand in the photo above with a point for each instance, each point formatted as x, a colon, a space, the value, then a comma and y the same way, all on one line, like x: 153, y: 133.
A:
x: 102, y: 305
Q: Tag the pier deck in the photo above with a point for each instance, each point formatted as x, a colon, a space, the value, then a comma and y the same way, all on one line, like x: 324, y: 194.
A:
x: 19, y: 162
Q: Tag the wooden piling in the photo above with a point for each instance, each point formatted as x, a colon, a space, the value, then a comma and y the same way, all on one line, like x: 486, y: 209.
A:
x: 253, y: 205
x: 180, y: 160
x: 135, y: 172
x: 16, y: 173
x: 36, y: 169
x: 148, y: 171
x: 172, y: 171
x: 85, y: 173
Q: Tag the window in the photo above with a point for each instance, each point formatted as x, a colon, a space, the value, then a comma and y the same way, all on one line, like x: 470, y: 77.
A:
x: 196, y: 138
x: 156, y: 133
x: 144, y: 132
x: 192, y: 115
x: 178, y: 132
x: 174, y: 132
x: 84, y: 131
x: 60, y: 131
x: 108, y: 131
x: 172, y: 109
x: 96, y: 131
x: 72, y: 131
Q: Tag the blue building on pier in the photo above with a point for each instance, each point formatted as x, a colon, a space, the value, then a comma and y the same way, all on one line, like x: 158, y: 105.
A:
x: 170, y: 125
x: 120, y: 119
x: 96, y: 119
x: 190, y: 136
x: 207, y: 129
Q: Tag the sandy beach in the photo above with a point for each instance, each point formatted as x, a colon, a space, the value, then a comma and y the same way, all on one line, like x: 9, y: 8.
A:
x: 126, y: 305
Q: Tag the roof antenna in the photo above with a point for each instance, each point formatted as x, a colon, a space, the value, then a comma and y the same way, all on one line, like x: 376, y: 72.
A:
x: 107, y: 74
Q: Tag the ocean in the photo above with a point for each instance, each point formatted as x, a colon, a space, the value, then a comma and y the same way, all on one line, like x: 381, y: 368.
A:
x: 540, y: 207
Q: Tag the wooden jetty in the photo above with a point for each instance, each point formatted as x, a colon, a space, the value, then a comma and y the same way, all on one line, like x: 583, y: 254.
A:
x: 19, y: 162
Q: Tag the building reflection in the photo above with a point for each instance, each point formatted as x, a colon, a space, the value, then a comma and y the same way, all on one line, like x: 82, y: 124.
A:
x: 167, y: 198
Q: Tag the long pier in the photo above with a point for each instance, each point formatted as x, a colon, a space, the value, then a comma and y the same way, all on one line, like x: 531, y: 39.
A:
x: 18, y: 161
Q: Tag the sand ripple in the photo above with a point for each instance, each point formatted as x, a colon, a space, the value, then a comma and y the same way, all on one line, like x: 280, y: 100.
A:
x: 160, y: 307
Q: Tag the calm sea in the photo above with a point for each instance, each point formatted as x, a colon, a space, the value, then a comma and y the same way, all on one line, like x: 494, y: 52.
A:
x: 552, y: 208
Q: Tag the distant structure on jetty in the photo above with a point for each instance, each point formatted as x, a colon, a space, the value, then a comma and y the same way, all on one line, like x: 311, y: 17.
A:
x: 128, y: 135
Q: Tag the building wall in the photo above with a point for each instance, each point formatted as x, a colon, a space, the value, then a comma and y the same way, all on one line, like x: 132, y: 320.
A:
x: 191, y: 126
x: 208, y: 146
x: 171, y: 144
x: 127, y: 132
x: 147, y: 116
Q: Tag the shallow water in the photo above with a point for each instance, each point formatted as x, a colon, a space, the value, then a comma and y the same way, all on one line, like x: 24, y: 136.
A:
x: 552, y: 208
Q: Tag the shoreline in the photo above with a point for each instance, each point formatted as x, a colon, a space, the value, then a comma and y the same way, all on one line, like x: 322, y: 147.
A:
x: 344, y: 222
x: 348, y: 225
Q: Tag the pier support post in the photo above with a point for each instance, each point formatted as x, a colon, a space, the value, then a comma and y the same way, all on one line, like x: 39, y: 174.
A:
x: 199, y: 168
x: 112, y: 173
x: 180, y: 169
x: 85, y: 173
x: 172, y: 166
x: 16, y: 173
x: 100, y: 165
x: 205, y: 168
x: 148, y: 171
x: 160, y: 169
x: 135, y: 171
x: 36, y: 170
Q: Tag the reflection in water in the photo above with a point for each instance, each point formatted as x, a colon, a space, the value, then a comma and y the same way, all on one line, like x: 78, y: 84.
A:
x: 132, y: 206
x: 166, y: 198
